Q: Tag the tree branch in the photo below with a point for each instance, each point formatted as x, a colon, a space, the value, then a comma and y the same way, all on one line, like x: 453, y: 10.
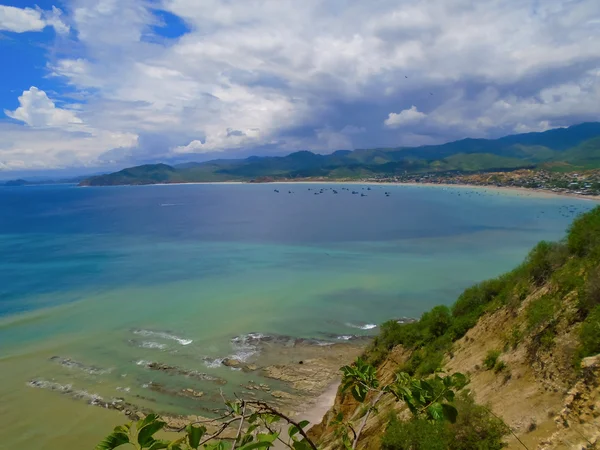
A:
x: 365, y: 418
x: 286, y: 418
x: 239, y: 431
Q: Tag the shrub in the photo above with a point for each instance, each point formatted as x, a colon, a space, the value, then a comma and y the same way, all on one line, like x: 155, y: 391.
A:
x: 541, y: 311
x: 544, y: 259
x: 491, y: 359
x: 584, y: 234
x: 474, y: 299
x: 589, y: 334
x: 475, y: 428
x: 590, y: 297
x: 500, y: 366
x: 437, y: 321
x: 416, y: 434
x: 515, y: 337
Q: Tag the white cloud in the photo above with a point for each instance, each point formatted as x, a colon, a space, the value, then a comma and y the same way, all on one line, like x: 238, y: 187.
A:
x: 53, y: 137
x: 21, y: 20
x: 37, y: 110
x: 404, y: 117
x: 291, y: 75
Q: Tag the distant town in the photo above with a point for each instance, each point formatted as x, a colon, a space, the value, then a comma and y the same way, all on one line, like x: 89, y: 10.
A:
x: 579, y: 183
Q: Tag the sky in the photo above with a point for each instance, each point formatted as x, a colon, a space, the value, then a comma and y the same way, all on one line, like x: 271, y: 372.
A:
x: 93, y: 85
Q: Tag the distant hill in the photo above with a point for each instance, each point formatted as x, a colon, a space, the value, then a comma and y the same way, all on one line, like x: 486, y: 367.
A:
x: 573, y: 148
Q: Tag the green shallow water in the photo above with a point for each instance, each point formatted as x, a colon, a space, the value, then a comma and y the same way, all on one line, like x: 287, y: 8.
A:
x: 87, y: 268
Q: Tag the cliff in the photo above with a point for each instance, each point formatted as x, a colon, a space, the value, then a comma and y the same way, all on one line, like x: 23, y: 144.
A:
x: 530, y: 354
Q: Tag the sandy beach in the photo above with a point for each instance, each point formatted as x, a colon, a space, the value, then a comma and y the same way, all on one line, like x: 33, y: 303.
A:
x: 520, y: 190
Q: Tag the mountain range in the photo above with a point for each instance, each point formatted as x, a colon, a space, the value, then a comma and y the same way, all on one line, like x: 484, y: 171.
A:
x: 562, y: 149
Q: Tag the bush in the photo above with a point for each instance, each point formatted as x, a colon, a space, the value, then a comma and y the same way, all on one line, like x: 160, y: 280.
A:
x: 437, y: 321
x: 541, y: 311
x: 584, y: 234
x: 589, y: 334
x: 475, y: 428
x: 500, y: 366
x: 491, y: 359
x: 544, y: 259
x: 515, y: 337
x: 416, y: 434
x: 474, y: 299
x: 590, y: 297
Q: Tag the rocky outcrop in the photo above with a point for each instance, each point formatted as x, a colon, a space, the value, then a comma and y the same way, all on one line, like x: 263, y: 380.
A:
x: 579, y: 421
x: 175, y: 370
x: 545, y: 402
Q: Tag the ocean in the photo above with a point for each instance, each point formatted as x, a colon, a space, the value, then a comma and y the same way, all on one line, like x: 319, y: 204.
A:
x: 97, y: 283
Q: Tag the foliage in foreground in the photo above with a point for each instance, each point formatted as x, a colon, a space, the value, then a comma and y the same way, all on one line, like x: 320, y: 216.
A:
x: 475, y: 428
x: 258, y: 425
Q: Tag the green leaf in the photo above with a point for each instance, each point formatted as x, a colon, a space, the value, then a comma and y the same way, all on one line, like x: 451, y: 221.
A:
x: 267, y: 437
x: 146, y: 420
x: 145, y: 434
x: 194, y: 435
x: 260, y: 444
x: 301, y: 445
x: 449, y: 395
x: 459, y: 380
x: 159, y: 444
x: 450, y: 412
x: 113, y: 440
x: 293, y: 430
x: 435, y: 411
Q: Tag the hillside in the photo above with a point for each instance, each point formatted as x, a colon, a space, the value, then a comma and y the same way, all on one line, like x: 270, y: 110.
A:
x: 573, y: 148
x: 529, y: 343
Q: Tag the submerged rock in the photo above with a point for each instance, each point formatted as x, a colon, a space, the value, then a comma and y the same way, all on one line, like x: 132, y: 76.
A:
x: 72, y: 364
x: 232, y: 362
x: 175, y: 370
x: 186, y: 392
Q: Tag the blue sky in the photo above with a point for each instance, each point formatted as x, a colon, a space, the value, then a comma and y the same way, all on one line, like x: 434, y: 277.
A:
x: 93, y: 85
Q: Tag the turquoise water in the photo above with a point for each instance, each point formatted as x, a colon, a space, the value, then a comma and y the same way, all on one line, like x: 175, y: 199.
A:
x: 113, y: 277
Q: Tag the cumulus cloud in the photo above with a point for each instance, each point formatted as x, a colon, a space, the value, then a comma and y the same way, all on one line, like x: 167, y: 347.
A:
x: 287, y: 75
x: 37, y: 110
x: 404, y: 117
x: 21, y: 20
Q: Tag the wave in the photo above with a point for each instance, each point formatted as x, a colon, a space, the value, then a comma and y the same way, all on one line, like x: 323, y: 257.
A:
x: 247, y: 345
x: 213, y: 363
x: 345, y: 337
x: 72, y: 364
x: 162, y: 335
x: 367, y: 326
x: 65, y: 389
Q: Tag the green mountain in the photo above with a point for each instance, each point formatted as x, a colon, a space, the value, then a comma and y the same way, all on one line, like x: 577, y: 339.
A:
x: 564, y: 149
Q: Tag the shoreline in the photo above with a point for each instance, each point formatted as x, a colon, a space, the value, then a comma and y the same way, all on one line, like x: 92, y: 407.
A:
x: 536, y: 192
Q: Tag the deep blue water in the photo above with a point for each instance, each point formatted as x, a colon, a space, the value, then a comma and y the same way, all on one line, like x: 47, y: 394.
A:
x: 62, y: 239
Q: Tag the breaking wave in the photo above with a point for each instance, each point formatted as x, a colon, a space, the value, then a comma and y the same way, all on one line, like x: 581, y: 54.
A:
x: 162, y: 335
x: 367, y: 326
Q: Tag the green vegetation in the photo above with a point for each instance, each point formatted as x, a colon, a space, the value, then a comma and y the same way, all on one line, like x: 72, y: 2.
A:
x: 569, y: 267
x: 256, y: 422
x: 491, y: 359
x: 589, y: 335
x: 475, y: 428
x: 573, y: 148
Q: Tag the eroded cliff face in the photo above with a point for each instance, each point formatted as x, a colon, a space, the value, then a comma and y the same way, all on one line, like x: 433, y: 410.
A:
x: 546, y: 402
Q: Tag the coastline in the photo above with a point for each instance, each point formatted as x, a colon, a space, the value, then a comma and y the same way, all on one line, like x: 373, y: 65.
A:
x: 515, y: 189
x: 536, y: 192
